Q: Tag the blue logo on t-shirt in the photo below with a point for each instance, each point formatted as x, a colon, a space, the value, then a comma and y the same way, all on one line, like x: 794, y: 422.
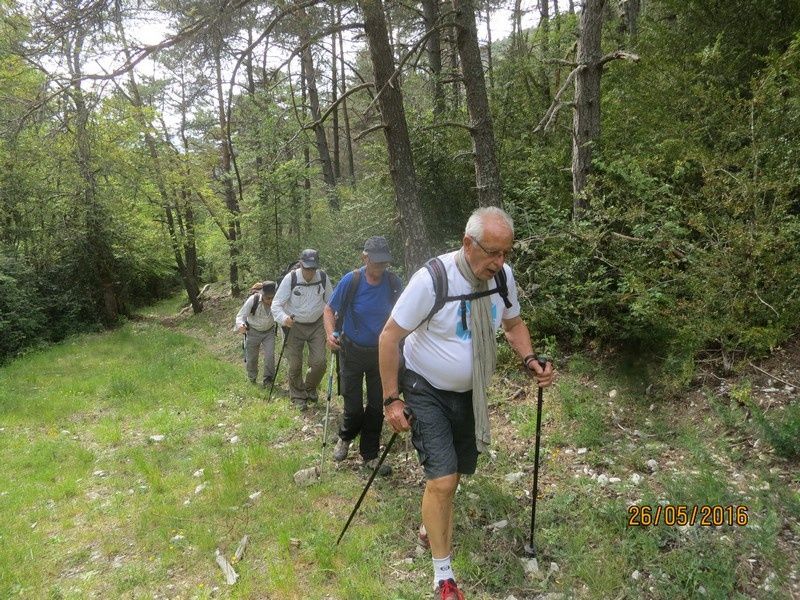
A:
x: 460, y: 331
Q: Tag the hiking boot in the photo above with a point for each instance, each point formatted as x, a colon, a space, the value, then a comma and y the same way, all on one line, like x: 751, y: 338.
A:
x: 383, y: 471
x: 447, y: 590
x: 341, y: 449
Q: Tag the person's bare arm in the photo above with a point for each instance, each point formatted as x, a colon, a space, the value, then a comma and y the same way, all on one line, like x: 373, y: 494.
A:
x: 389, y: 364
x: 329, y: 320
x: 519, y: 338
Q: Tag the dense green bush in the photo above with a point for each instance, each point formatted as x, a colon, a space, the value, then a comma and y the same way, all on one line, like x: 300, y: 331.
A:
x: 21, y: 319
x: 691, y: 246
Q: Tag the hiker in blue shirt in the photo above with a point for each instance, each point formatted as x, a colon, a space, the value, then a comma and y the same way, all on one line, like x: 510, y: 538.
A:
x: 354, y: 318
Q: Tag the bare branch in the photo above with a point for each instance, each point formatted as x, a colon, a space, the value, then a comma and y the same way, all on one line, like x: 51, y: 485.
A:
x: 366, y: 132
x: 618, y: 55
x: 557, y: 104
x: 341, y: 98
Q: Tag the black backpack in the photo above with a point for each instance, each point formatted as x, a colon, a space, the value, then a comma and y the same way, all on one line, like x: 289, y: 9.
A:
x: 436, y: 268
x: 395, y: 285
x: 293, y: 283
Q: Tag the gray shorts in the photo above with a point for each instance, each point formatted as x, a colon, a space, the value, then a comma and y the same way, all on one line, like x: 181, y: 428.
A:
x: 443, y: 428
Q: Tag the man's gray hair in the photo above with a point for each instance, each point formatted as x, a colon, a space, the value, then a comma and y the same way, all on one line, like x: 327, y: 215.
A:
x: 477, y: 220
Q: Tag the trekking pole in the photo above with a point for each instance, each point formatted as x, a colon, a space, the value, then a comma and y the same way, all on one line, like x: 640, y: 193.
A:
x: 286, y: 331
x: 408, y: 416
x: 327, y: 412
x: 530, y: 549
x: 244, y: 342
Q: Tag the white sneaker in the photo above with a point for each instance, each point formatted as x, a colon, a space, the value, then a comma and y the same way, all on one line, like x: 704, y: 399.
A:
x: 341, y: 449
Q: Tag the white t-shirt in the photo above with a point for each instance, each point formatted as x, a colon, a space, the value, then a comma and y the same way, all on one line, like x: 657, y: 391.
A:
x: 440, y: 350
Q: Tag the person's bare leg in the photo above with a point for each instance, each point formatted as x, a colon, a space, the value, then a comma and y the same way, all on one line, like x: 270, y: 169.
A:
x: 437, y: 516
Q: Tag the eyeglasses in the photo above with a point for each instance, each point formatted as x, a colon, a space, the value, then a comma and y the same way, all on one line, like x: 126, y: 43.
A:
x: 505, y: 254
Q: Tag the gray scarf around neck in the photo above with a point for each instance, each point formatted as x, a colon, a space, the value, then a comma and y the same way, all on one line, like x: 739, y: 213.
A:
x: 484, y: 350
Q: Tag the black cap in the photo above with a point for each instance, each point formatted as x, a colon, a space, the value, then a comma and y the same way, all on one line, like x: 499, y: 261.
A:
x: 309, y: 258
x: 377, y: 248
x: 268, y: 288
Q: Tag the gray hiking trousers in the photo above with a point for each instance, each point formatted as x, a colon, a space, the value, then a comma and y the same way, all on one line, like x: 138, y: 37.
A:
x: 262, y: 342
x: 305, y: 388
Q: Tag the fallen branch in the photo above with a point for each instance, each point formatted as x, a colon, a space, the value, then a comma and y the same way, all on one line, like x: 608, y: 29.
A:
x: 239, y: 554
x: 794, y: 385
x: 230, y: 575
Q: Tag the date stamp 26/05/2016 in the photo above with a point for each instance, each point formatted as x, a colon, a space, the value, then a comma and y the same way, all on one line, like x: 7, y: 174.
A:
x: 671, y: 515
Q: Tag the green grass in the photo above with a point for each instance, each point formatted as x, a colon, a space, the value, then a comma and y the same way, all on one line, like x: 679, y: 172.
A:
x: 90, y: 505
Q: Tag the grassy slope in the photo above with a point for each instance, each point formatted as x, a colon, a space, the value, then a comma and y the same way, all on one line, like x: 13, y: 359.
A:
x: 90, y: 506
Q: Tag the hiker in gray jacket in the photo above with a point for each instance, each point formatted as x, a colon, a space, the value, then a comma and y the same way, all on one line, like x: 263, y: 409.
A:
x: 254, y: 320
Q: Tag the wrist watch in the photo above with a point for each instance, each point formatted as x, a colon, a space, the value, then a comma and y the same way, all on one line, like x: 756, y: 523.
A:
x: 391, y: 399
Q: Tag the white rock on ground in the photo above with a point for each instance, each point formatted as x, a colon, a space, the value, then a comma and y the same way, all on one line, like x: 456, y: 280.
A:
x: 514, y: 477
x: 652, y: 465
x: 636, y: 479
x: 636, y: 575
x: 602, y: 479
x: 612, y: 394
x: 530, y: 566
x: 157, y: 438
x: 199, y: 473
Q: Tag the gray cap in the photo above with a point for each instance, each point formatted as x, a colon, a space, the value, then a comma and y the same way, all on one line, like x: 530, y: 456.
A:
x: 377, y: 248
x: 268, y: 288
x: 309, y: 258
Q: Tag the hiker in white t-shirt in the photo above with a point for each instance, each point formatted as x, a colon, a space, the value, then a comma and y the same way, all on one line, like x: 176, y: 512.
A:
x: 450, y: 356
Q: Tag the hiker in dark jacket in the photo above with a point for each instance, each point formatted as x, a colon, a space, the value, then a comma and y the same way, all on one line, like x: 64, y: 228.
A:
x: 255, y: 322
x: 450, y: 355
x: 354, y: 318
x: 297, y: 307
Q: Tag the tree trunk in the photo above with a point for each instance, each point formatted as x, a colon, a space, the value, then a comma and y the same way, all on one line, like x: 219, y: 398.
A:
x: 455, y: 71
x: 306, y: 152
x: 544, y: 30
x: 231, y: 201
x: 430, y: 10
x: 629, y: 16
x: 313, y: 104
x: 586, y: 114
x: 487, y: 171
x: 337, y: 171
x: 347, y: 135
x: 401, y: 163
x: 489, y: 64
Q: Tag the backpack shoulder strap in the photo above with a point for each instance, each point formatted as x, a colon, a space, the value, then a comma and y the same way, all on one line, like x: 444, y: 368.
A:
x: 436, y: 268
x: 293, y: 280
x: 347, y: 301
x: 395, y: 285
x: 255, y: 303
x: 501, y: 281
x: 323, y: 279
